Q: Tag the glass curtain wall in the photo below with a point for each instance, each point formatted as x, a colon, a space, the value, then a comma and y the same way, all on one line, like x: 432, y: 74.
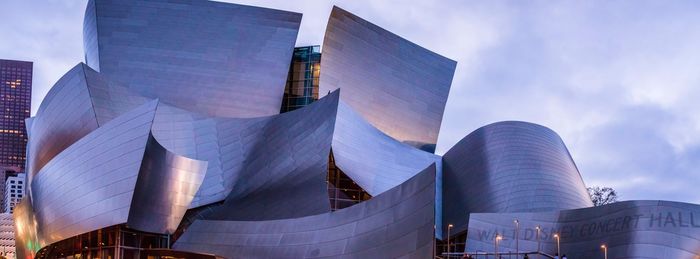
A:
x: 303, y: 78
x: 343, y: 191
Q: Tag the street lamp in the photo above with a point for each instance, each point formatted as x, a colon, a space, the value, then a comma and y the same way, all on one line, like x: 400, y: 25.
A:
x: 495, y: 244
x: 448, y: 239
x: 538, y: 240
x: 558, y: 251
x: 605, y: 250
x: 517, y: 235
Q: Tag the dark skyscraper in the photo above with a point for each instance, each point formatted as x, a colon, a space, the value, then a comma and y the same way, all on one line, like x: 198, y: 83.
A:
x: 15, y: 101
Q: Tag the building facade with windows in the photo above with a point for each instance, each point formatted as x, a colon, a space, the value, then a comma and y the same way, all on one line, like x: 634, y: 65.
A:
x: 303, y: 79
x: 169, y: 143
x: 15, y: 104
x: 14, y: 191
x: 7, y: 236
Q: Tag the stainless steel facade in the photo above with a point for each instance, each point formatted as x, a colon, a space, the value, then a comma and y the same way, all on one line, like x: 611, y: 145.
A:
x: 397, y: 86
x: 26, y: 229
x: 373, y: 159
x: 509, y: 166
x: 175, y: 133
x: 77, y: 104
x: 398, y: 223
x: 208, y: 57
x: 90, y: 185
x: 164, y: 189
x: 245, y: 154
x: 629, y: 229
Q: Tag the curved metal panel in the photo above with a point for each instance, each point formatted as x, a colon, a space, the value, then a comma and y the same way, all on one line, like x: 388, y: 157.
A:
x: 255, y: 156
x: 196, y: 136
x: 26, y: 230
x: 396, y: 85
x: 285, y: 168
x: 509, y: 166
x: 110, y: 99
x: 629, y: 229
x: 223, y: 59
x: 372, y: 159
x: 77, y: 104
x: 165, y: 187
x: 90, y: 46
x: 91, y: 183
x: 397, y: 223
x: 64, y: 116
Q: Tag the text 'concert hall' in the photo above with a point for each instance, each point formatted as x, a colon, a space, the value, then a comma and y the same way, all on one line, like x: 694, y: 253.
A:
x: 196, y: 129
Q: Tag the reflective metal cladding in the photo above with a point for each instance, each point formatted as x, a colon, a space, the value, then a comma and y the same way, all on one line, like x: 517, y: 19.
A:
x: 77, y: 104
x: 398, y: 223
x: 246, y: 156
x: 397, y: 86
x: 213, y: 58
x: 90, y: 184
x: 374, y: 160
x: 169, y: 142
x: 164, y: 189
x: 629, y: 229
x: 509, y: 166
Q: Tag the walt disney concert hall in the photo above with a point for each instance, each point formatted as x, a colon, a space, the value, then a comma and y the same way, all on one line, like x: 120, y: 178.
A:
x: 196, y: 129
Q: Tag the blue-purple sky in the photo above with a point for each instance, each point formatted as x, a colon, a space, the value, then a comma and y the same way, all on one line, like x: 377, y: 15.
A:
x: 618, y: 80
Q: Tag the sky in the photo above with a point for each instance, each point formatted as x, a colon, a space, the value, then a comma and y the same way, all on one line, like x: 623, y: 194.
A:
x: 618, y: 80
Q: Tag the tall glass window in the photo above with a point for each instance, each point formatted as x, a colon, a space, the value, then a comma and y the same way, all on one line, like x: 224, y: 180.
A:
x: 302, y: 81
x: 343, y: 192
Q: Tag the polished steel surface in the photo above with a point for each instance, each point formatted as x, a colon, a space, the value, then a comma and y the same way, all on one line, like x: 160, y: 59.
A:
x: 254, y: 156
x: 77, y: 104
x: 64, y: 116
x: 398, y: 223
x: 397, y: 86
x: 284, y: 171
x: 165, y: 187
x: 213, y: 58
x: 629, y: 229
x: 372, y: 159
x: 110, y: 99
x: 509, y: 166
x: 91, y: 183
x: 26, y: 230
x: 182, y: 119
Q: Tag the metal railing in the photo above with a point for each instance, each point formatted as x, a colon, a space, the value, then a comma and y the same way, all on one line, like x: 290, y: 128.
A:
x: 492, y: 255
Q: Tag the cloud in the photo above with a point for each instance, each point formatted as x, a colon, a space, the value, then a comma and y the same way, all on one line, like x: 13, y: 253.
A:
x: 48, y: 33
x: 617, y: 80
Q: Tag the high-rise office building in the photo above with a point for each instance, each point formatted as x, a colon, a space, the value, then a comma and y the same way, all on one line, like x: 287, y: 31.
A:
x: 303, y: 78
x: 15, y: 103
x: 14, y: 191
x: 5, y: 173
x: 7, y: 235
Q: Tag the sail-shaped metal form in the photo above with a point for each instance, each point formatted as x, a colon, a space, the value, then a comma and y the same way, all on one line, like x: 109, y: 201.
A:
x: 374, y: 229
x: 169, y: 143
x: 209, y: 57
x: 397, y: 86
x: 509, y: 166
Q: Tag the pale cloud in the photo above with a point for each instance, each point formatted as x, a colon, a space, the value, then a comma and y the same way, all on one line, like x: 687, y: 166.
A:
x: 618, y: 80
x: 47, y: 33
